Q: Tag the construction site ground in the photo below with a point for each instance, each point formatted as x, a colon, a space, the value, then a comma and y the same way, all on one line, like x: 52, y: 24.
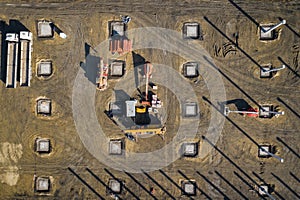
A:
x: 230, y: 171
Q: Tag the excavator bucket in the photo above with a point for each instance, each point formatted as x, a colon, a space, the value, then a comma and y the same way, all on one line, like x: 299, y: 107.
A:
x: 226, y: 111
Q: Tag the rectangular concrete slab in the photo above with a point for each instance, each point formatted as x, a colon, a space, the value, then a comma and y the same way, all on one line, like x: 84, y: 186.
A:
x: 130, y: 108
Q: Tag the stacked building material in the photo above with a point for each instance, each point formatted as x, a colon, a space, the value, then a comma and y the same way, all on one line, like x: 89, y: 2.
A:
x: 120, y: 46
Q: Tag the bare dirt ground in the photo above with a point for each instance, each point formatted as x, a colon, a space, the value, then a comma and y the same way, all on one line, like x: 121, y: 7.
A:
x: 229, y: 172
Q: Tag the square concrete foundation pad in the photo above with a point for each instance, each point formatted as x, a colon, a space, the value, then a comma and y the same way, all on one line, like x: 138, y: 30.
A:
x: 265, y: 74
x: 264, y: 112
x: 115, y: 186
x: 116, y: 69
x: 266, y: 35
x: 262, y: 153
x: 263, y: 189
x: 189, y: 187
x: 44, y: 106
x: 118, y: 28
x: 191, y: 30
x: 44, y: 29
x: 190, y: 109
x: 115, y: 147
x: 45, y: 68
x: 42, y: 184
x: 190, y: 149
x: 190, y: 69
x: 43, y: 145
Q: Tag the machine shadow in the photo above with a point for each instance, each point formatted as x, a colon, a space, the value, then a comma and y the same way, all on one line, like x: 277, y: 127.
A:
x: 126, y: 188
x: 141, y: 185
x: 233, y: 163
x: 199, y: 189
x: 214, y: 186
x: 86, y: 184
x: 91, y: 68
x: 295, y: 177
x: 231, y: 185
x: 138, y: 61
x: 288, y: 66
x: 103, y: 183
x: 272, y: 187
x: 248, y: 184
x: 287, y: 146
x: 286, y: 185
x: 289, y: 27
x: 3, y: 28
x: 172, y: 181
x: 241, y: 130
x: 233, y: 42
x: 156, y: 183
x: 232, y: 82
x: 286, y: 105
x: 244, y: 13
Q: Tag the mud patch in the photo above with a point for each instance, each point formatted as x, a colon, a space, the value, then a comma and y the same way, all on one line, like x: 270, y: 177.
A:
x: 10, y: 175
x: 9, y: 156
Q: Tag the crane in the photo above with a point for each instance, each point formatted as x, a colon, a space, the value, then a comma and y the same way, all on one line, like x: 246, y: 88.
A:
x: 148, y: 67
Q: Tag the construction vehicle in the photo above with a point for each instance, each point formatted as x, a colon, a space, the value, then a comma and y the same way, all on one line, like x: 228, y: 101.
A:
x: 148, y: 67
x: 141, y: 116
x: 140, y: 109
x: 251, y: 112
x: 102, y: 76
x: 254, y: 112
x: 145, y: 102
x: 142, y: 131
x: 273, y: 27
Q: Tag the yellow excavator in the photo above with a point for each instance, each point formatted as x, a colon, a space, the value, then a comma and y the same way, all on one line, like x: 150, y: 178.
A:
x: 140, y: 109
x: 145, y: 103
